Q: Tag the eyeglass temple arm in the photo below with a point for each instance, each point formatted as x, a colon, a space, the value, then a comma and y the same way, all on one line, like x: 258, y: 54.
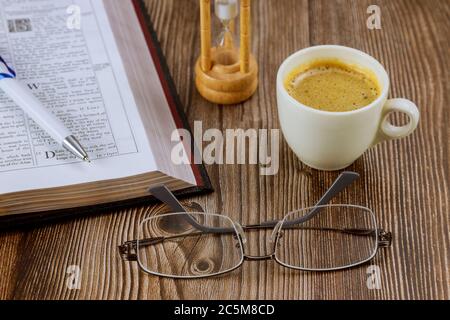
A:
x: 343, y: 181
x: 162, y: 193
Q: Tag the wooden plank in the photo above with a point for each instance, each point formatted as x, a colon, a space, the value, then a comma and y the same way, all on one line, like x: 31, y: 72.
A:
x: 405, y: 182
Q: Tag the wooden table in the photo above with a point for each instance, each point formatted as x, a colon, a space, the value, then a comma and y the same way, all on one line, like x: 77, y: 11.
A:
x: 405, y: 182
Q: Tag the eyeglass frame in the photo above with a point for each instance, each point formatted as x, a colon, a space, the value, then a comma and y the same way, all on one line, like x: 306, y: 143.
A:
x: 129, y: 250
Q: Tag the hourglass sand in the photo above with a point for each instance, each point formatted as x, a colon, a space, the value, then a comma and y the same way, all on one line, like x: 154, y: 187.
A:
x: 226, y: 74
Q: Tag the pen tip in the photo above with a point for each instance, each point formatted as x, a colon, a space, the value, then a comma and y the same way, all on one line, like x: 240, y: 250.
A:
x: 86, y: 159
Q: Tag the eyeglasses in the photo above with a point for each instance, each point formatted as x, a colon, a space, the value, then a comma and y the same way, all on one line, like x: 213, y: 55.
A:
x: 195, y: 244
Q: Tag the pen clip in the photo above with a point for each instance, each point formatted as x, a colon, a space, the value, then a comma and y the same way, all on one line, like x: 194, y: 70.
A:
x: 6, y: 72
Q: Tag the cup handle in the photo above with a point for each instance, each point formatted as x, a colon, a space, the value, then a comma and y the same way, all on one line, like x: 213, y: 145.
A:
x: 387, y: 130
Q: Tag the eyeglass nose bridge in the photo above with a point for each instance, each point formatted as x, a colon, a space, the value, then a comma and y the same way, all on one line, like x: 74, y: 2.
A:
x: 274, y: 236
x: 259, y: 258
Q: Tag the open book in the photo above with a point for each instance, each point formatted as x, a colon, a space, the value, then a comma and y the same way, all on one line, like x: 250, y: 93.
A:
x: 97, y: 65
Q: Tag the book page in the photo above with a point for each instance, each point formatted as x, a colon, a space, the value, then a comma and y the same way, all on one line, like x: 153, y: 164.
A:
x: 78, y: 74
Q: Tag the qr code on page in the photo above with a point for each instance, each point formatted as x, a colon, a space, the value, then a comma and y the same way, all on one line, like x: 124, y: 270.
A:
x: 19, y: 25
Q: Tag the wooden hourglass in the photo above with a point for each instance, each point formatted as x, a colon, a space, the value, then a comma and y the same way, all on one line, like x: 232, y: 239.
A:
x: 226, y: 74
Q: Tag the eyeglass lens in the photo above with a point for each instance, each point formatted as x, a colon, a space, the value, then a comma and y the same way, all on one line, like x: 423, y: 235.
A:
x: 329, y: 237
x: 171, y: 245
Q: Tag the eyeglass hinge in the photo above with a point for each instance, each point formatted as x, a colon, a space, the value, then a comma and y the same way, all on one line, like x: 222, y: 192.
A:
x: 384, y: 238
x: 128, y: 251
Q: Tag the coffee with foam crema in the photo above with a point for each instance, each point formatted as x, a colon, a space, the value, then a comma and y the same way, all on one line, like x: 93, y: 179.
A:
x: 332, y: 85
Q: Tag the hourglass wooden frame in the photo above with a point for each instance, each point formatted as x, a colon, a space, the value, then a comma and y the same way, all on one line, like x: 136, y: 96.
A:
x: 226, y: 74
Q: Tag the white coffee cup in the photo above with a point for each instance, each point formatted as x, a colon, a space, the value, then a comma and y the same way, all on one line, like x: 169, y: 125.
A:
x: 334, y: 140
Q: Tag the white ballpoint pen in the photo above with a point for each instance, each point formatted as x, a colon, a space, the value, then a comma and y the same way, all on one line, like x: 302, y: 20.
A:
x: 25, y: 99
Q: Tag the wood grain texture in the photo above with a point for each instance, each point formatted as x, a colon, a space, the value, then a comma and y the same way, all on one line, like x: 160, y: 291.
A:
x: 405, y: 182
